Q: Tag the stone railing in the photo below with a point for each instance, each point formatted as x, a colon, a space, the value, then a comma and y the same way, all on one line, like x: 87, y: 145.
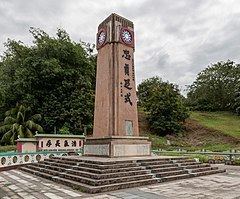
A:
x: 12, y: 159
x: 220, y: 157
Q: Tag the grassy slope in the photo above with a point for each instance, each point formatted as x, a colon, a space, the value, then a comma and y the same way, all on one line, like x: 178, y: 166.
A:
x: 212, y: 131
x: 222, y: 121
x: 7, y: 148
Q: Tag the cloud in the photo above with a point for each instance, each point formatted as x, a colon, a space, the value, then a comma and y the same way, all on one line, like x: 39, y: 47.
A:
x: 174, y: 39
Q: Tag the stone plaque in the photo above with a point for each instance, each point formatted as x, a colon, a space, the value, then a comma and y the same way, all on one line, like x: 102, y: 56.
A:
x: 131, y: 150
x: 100, y: 150
x: 129, y: 127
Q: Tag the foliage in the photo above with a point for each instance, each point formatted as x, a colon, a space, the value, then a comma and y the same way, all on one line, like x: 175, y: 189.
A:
x: 19, y: 122
x: 237, y: 99
x: 163, y: 103
x: 201, y: 158
x: 8, y: 148
x: 225, y: 122
x: 64, y: 129
x: 237, y: 162
x: 216, y: 88
x: 55, y: 77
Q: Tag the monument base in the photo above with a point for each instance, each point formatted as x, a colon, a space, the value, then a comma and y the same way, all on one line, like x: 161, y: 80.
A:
x: 117, y: 146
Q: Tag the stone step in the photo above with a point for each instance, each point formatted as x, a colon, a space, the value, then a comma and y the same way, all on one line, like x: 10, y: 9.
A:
x: 185, y: 160
x: 158, y: 170
x: 112, y: 166
x: 176, y: 177
x: 107, y: 171
x: 154, y: 160
x: 93, y: 177
x: 94, y: 161
x: 171, y: 173
x: 99, y: 182
x: 50, y: 166
x: 104, y: 188
x: 89, y: 165
x: 196, y: 166
x: 203, y: 173
x: 90, y: 174
x: 65, y: 168
x: 106, y: 175
x: 162, y: 159
x: 202, y: 169
x: 110, y: 162
x: 90, y: 181
x: 122, y: 169
x: 42, y: 169
x: 180, y: 158
x: 190, y: 163
x: 88, y: 188
x: 38, y: 173
x: 161, y: 166
x: 62, y: 165
x: 75, y: 167
x: 55, y: 160
x: 160, y: 162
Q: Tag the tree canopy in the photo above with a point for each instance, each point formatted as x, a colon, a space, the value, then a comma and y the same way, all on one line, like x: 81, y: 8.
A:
x: 216, y: 88
x: 55, y: 77
x: 164, y: 105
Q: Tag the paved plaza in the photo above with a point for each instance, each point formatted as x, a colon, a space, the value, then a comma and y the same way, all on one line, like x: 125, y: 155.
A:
x: 18, y: 184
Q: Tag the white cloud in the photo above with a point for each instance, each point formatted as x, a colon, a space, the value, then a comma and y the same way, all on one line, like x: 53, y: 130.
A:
x: 174, y: 39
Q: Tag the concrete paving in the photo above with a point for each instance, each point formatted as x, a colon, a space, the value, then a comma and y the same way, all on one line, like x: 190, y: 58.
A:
x: 18, y: 184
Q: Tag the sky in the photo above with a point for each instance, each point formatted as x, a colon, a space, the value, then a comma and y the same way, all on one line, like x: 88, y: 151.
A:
x: 175, y: 39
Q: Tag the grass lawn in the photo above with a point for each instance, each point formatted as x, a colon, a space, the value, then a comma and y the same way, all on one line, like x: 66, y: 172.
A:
x: 225, y: 122
x: 7, y: 148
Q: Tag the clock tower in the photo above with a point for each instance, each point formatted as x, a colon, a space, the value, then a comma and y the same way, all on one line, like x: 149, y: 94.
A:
x: 115, y: 131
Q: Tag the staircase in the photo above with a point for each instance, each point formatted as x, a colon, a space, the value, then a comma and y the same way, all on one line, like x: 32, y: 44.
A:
x: 94, y: 176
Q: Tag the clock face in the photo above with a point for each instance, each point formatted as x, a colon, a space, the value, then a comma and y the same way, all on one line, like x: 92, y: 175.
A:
x: 126, y: 36
x: 101, y: 38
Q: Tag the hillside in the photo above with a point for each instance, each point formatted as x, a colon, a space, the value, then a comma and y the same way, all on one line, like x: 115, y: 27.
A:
x: 225, y: 122
x: 217, y: 131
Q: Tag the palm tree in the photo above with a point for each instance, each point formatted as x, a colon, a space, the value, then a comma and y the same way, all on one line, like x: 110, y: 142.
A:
x: 19, y: 123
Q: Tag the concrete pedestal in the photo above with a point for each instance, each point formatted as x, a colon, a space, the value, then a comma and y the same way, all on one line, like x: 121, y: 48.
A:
x: 117, y: 146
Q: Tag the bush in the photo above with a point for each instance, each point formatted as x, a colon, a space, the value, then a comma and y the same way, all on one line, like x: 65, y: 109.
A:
x: 164, y: 105
x: 216, y: 88
x: 7, y: 148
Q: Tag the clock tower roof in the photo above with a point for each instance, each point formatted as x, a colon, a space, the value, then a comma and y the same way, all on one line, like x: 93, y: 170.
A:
x: 115, y: 17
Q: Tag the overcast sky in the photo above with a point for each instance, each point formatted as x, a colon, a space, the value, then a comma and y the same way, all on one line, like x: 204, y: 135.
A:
x: 175, y: 39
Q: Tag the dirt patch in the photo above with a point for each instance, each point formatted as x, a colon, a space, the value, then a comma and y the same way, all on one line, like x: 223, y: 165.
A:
x: 197, y: 135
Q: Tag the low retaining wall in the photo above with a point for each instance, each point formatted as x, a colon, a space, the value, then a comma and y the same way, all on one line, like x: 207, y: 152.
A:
x: 13, y: 160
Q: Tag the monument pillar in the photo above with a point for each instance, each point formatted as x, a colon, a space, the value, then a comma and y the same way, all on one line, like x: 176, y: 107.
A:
x: 115, y: 132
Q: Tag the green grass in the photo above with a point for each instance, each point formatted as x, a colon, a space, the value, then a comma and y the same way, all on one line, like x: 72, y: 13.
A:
x: 8, y: 148
x: 157, y: 141
x: 225, y: 122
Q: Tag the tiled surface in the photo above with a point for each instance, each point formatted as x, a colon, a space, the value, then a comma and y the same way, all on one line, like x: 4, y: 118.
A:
x: 17, y: 184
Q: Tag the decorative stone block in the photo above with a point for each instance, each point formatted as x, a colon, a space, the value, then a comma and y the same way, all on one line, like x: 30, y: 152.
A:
x: 98, y: 149
x: 131, y: 150
x: 117, y: 146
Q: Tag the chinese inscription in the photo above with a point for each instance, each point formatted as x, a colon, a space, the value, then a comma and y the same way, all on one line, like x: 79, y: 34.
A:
x: 58, y: 143
x: 126, y: 54
x: 126, y: 83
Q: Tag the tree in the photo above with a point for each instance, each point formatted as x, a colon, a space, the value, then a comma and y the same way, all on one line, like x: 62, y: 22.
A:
x: 164, y: 105
x: 55, y: 77
x: 237, y: 99
x: 19, y: 122
x: 215, y: 88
